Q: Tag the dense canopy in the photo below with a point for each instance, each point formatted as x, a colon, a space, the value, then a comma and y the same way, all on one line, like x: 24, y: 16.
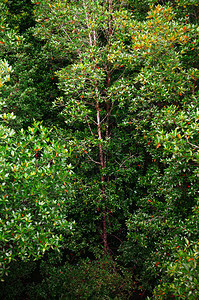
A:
x: 99, y: 166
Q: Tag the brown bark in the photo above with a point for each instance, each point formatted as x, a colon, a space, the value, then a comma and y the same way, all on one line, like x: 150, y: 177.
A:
x: 103, y: 158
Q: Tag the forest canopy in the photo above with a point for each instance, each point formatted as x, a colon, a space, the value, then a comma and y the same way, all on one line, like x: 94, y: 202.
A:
x: 99, y: 166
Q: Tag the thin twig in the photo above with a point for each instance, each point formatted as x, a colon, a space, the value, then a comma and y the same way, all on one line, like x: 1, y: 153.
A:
x: 191, y: 143
x: 108, y: 113
x: 89, y: 126
x: 96, y: 162
x: 121, y: 164
x: 117, y: 238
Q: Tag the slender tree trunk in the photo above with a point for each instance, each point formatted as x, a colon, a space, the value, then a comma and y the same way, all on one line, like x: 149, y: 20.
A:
x: 92, y: 42
x: 92, y: 39
x: 103, y: 165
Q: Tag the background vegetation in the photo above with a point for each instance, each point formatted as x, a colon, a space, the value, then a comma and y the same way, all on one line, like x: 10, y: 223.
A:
x: 99, y: 146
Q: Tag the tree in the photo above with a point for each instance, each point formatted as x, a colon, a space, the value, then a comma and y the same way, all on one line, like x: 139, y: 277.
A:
x: 129, y: 96
x: 166, y: 116
x: 34, y: 194
x: 32, y: 86
x: 92, y: 84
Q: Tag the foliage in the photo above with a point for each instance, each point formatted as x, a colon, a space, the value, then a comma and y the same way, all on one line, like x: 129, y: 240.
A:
x: 5, y: 70
x: 97, y: 279
x: 21, y: 275
x: 33, y: 190
x: 126, y: 92
x: 167, y: 120
x: 181, y: 280
x: 18, y: 14
x: 33, y: 193
x: 32, y: 86
x: 61, y: 276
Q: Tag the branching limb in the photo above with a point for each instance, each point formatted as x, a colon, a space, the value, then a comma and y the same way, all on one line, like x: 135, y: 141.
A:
x: 191, y: 143
x: 96, y: 162
x: 121, y: 164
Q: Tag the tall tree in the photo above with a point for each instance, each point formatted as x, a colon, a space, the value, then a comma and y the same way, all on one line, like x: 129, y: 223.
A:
x: 92, y: 83
x: 129, y: 97
x: 116, y: 82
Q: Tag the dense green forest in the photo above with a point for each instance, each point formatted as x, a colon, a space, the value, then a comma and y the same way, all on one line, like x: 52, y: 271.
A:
x: 99, y: 139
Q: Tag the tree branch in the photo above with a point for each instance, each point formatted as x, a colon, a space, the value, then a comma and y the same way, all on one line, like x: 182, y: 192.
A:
x: 191, y: 143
